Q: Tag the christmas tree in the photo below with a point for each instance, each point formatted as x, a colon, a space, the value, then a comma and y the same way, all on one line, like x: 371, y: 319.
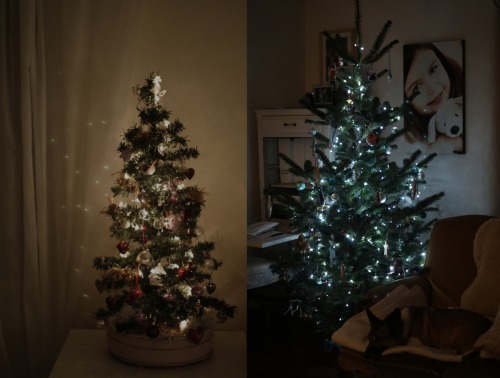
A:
x: 360, y: 215
x: 159, y: 282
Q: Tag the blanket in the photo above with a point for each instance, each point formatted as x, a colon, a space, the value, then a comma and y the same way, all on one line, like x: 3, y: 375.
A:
x: 354, y: 333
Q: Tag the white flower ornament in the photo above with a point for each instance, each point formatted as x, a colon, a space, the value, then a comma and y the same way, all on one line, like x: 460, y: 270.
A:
x: 157, y: 91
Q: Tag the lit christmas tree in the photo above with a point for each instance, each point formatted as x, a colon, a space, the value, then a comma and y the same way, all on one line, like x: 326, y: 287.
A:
x: 159, y: 282
x: 360, y: 215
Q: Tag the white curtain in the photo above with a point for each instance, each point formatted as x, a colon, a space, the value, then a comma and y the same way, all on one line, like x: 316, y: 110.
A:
x: 66, y: 68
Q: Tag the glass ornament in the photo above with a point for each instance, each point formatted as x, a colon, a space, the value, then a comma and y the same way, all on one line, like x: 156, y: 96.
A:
x: 300, y: 185
x: 144, y: 257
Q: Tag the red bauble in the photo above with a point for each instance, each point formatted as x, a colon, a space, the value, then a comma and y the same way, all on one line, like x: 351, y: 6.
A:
x: 140, y: 317
x: 169, y: 296
x: 195, y: 335
x: 373, y: 139
x: 197, y: 291
x: 134, y: 295
x: 183, y: 273
x: 122, y: 246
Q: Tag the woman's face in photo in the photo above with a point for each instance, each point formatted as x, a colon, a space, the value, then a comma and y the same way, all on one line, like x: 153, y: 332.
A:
x: 427, y: 76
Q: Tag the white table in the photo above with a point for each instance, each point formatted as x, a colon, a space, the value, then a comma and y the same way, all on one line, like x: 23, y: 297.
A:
x: 85, y: 355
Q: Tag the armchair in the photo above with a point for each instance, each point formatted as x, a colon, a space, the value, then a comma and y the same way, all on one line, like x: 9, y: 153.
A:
x: 461, y: 250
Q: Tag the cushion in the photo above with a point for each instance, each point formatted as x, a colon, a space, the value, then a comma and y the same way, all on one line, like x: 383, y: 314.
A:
x: 354, y: 333
x: 489, y: 342
x: 483, y: 294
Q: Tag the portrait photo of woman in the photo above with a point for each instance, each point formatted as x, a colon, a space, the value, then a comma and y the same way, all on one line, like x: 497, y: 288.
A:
x: 434, y: 91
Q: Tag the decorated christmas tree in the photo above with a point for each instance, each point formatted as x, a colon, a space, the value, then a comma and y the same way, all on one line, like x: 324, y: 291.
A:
x: 361, y: 217
x: 159, y: 281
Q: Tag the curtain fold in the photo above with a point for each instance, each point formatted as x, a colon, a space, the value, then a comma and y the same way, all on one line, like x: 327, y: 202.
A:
x: 67, y: 69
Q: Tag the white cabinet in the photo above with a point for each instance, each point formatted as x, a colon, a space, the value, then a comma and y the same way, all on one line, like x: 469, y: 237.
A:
x: 286, y: 131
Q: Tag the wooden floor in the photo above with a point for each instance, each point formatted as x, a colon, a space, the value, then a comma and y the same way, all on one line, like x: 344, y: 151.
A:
x: 280, y: 345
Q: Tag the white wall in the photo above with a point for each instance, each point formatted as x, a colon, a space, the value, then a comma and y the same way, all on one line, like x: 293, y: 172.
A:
x: 470, y: 181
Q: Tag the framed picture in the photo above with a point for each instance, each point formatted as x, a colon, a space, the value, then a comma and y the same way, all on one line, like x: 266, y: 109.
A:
x: 434, y: 86
x: 330, y: 61
x: 323, y: 94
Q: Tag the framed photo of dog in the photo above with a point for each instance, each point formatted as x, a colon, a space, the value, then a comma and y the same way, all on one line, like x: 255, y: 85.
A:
x: 433, y: 76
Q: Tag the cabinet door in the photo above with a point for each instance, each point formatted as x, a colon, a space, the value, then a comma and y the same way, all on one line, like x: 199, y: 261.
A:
x: 286, y: 131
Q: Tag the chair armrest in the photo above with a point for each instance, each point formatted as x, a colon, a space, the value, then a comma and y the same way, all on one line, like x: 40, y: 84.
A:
x: 377, y: 293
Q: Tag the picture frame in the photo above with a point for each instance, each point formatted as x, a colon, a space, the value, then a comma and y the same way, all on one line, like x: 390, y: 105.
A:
x: 329, y: 58
x: 434, y: 86
x: 322, y: 94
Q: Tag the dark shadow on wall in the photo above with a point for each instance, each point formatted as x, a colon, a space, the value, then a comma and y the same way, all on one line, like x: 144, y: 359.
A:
x: 275, y: 77
x: 496, y: 119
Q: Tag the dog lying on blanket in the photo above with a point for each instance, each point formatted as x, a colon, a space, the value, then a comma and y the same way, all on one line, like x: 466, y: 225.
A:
x: 453, y: 330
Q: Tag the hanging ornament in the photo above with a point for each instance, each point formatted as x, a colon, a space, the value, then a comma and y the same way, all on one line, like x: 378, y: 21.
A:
x: 162, y: 149
x: 169, y: 296
x: 413, y: 188
x: 122, y: 246
x: 342, y: 273
x: 134, y: 295
x: 372, y: 76
x: 386, y: 248
x: 334, y: 197
x: 183, y: 273
x: 209, y: 264
x: 153, y: 331
x: 321, y: 195
x: 269, y: 206
x: 155, y: 278
x: 190, y: 173
x: 221, y: 317
x: 197, y: 291
x: 145, y: 128
x: 372, y: 139
x: 196, y: 335
x: 210, y: 286
x: 144, y: 257
x: 382, y: 197
x: 121, y: 181
x: 302, y: 243
x: 396, y: 267
x: 159, y: 223
x: 333, y: 255
x: 389, y: 72
x: 300, y: 185
x: 152, y: 169
x: 140, y: 317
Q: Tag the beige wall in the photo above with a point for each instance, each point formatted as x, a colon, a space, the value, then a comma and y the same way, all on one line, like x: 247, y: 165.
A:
x: 470, y: 181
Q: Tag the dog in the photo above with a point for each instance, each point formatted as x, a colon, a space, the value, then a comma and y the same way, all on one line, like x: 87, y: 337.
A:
x: 452, y: 330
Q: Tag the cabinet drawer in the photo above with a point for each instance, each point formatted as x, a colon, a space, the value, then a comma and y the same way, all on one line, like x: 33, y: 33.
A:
x: 291, y: 125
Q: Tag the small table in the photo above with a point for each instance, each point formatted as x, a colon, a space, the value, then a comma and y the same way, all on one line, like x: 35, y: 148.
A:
x: 85, y: 354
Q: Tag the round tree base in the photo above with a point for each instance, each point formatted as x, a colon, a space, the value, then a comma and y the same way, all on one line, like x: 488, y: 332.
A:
x: 159, y: 352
